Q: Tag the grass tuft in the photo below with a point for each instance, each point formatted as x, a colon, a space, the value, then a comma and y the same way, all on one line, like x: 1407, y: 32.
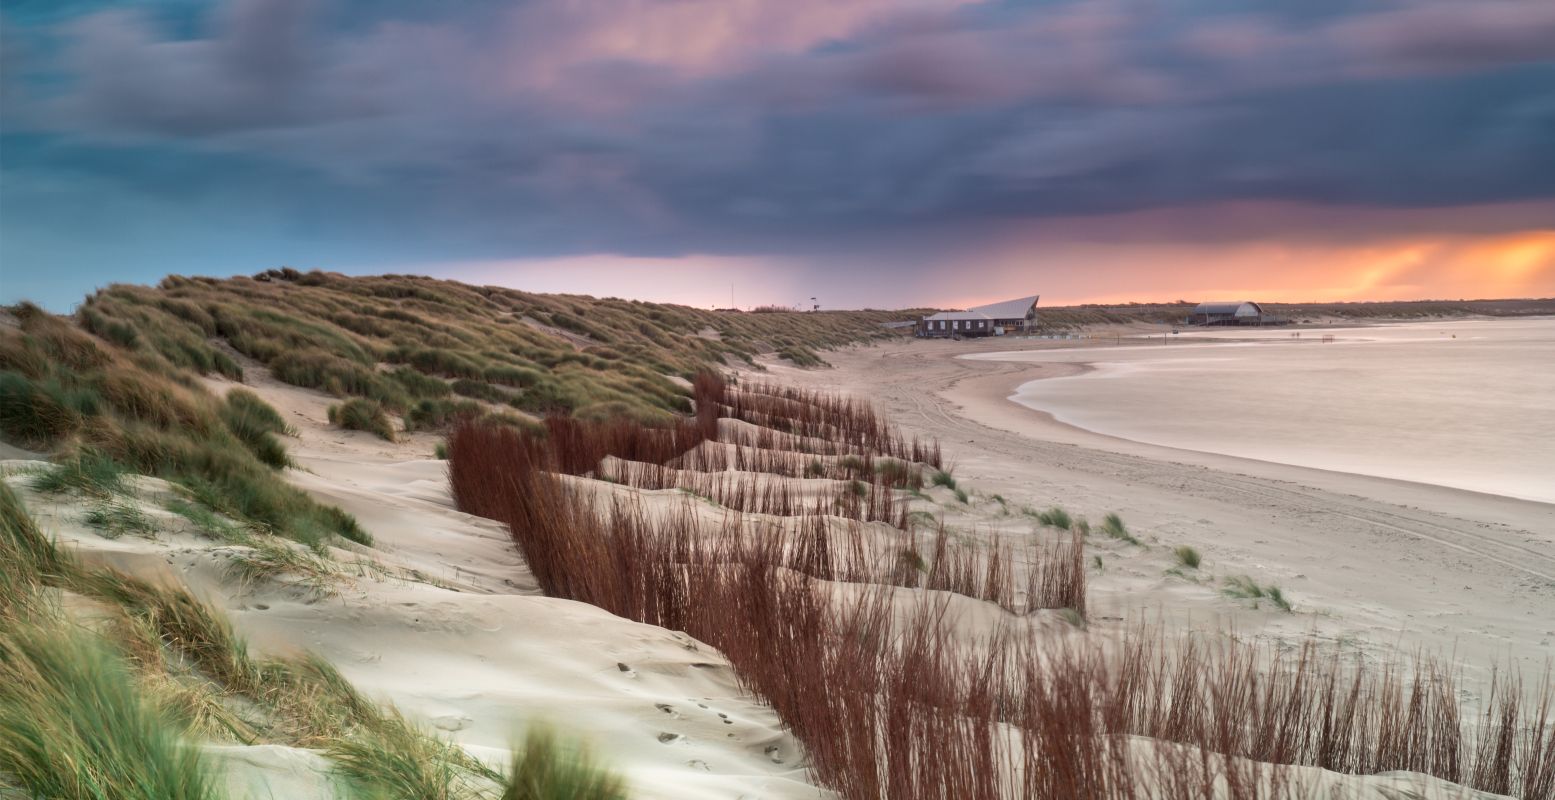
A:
x: 1113, y: 526
x: 362, y: 415
x: 1245, y: 588
x: 207, y: 521
x: 1056, y: 517
x: 256, y: 424
x: 1187, y: 556
x: 74, y: 725
x: 28, y: 557
x: 90, y: 472
x: 398, y: 761
x: 269, y: 559
x: 256, y: 412
x: 434, y: 414
x: 114, y: 519
x: 37, y: 413
x: 547, y: 769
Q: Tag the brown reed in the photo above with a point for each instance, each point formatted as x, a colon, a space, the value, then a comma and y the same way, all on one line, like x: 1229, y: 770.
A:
x: 908, y: 708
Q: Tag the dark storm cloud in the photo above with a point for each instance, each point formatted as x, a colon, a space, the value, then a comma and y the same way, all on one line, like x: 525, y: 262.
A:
x: 544, y: 127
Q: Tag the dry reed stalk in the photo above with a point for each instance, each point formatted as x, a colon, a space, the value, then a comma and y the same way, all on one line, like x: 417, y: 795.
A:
x: 832, y: 418
x: 915, y: 710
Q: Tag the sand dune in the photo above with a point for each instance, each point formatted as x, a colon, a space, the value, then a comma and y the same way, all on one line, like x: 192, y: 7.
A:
x: 449, y: 625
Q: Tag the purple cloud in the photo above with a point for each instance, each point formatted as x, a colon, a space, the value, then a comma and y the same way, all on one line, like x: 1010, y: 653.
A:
x: 652, y: 127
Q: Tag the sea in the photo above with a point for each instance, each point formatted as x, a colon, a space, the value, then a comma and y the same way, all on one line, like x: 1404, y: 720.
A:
x: 1466, y: 404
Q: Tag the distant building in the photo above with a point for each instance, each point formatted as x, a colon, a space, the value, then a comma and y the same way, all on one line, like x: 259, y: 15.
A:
x: 1245, y: 312
x: 955, y: 323
x: 995, y: 319
x: 1011, y: 316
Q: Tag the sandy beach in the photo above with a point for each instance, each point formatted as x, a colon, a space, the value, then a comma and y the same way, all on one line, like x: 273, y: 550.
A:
x: 1377, y: 562
x: 758, y: 400
x: 444, y: 618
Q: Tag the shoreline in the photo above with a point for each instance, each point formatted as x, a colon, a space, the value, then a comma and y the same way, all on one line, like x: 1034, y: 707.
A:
x: 1059, y: 428
x: 1077, y: 369
x: 980, y: 393
x: 1042, y: 425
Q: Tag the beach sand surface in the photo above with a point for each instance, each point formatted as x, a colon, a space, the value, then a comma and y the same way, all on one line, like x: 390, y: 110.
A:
x: 1381, y: 564
x: 453, y: 630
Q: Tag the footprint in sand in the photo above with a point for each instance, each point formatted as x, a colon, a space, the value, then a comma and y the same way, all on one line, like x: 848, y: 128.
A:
x: 630, y: 673
x: 666, y: 737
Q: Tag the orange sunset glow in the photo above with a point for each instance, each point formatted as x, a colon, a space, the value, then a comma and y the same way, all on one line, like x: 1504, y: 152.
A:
x: 1069, y: 271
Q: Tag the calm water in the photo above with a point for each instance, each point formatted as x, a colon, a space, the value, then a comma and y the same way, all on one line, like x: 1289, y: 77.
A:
x: 1463, y: 404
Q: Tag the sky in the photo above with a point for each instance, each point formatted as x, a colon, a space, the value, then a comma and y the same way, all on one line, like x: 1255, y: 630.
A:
x: 868, y: 153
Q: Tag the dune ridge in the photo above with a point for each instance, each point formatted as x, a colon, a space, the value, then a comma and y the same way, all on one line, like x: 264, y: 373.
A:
x: 795, y: 573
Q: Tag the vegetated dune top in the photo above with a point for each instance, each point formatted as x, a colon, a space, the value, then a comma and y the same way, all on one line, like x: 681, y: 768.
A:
x: 536, y: 352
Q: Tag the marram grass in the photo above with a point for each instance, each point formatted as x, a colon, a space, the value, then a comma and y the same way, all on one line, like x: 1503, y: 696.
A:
x: 74, y: 724
x: 546, y: 768
x: 101, y: 408
x: 363, y: 415
x: 398, y: 761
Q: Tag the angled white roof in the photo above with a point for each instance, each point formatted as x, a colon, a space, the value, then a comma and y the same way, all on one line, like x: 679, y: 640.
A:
x: 1243, y: 308
x: 1008, y: 309
x: 958, y: 315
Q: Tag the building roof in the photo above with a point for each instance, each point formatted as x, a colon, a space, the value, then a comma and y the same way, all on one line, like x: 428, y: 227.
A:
x: 1226, y: 308
x: 1008, y: 309
x: 949, y: 315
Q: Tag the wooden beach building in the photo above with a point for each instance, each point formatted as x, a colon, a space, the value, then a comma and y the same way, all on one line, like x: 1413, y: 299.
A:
x: 994, y: 319
x: 952, y: 324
